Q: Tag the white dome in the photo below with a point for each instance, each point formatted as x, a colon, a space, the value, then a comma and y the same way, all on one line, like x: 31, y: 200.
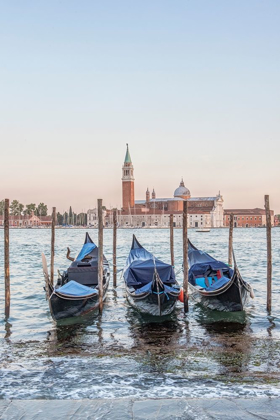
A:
x: 182, y: 190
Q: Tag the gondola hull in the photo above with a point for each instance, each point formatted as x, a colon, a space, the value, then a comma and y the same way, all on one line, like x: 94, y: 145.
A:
x: 62, y: 307
x: 233, y: 298
x: 214, y: 284
x: 76, y: 292
x: 150, y: 284
x: 152, y: 304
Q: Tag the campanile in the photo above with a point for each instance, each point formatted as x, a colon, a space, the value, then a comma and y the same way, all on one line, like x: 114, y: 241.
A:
x: 127, y: 182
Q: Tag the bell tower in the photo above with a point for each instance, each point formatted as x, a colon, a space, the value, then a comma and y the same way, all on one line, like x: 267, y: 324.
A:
x: 127, y: 182
x: 147, y: 195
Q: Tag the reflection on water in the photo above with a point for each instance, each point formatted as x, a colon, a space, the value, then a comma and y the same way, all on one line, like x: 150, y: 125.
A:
x: 152, y: 332
x: 8, y: 331
x: 216, y: 322
x: 231, y: 335
x: 271, y: 326
x: 212, y: 317
x: 70, y: 336
x: 123, y: 353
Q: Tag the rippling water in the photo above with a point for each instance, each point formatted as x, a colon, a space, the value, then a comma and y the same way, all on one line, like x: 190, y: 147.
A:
x: 124, y: 354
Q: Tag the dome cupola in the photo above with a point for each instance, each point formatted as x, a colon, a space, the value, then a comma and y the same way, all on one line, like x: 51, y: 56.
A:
x: 182, y: 191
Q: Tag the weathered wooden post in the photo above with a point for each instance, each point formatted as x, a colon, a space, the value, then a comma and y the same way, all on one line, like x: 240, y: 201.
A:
x: 185, y: 257
x: 269, y: 252
x: 172, y: 239
x: 230, y: 240
x: 100, y: 254
x: 7, y: 258
x: 52, y: 243
x: 114, y: 248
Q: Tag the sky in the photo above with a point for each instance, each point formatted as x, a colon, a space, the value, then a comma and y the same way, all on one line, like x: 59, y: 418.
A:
x: 192, y: 86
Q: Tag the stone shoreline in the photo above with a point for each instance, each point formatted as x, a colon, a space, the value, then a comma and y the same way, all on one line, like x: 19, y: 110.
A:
x: 131, y: 409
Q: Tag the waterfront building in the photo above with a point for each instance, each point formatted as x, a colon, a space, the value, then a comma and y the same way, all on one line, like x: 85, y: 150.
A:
x: 28, y: 221
x: 247, y: 217
x: 92, y: 217
x: 203, y: 212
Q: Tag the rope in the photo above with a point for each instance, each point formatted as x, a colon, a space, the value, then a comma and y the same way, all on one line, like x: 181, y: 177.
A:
x: 178, y: 272
x: 115, y: 265
x: 121, y: 274
x: 53, y: 293
x: 160, y: 293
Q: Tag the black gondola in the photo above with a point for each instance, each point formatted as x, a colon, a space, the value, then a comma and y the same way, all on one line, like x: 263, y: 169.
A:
x: 214, y: 284
x: 76, y: 292
x: 150, y: 284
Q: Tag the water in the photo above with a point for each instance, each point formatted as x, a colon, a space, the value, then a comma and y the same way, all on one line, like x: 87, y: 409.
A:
x: 123, y: 354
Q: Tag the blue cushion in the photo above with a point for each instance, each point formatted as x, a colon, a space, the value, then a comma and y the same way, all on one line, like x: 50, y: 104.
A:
x: 200, y: 281
x: 218, y: 284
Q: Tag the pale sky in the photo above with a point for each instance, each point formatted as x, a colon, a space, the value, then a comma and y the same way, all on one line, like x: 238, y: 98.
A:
x: 193, y: 86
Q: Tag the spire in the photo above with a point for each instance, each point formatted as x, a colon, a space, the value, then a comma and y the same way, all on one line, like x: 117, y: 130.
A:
x: 153, y: 194
x: 127, y: 156
x: 182, y: 184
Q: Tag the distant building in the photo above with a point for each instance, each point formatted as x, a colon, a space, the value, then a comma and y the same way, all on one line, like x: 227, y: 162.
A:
x: 155, y: 212
x: 92, y: 217
x: 28, y: 221
x: 247, y: 217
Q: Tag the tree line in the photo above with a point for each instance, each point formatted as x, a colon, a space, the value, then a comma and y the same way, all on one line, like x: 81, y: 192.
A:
x: 72, y: 218
x: 66, y: 218
x: 19, y: 209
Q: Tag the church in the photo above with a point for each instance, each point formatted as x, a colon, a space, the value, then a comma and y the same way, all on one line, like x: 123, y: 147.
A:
x: 203, y: 212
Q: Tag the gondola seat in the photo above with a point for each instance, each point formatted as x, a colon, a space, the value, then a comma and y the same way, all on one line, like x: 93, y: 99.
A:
x: 218, y: 284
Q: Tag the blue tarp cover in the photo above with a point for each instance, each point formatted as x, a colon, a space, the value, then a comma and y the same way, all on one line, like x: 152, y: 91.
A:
x: 196, y: 256
x: 171, y: 289
x: 140, y: 267
x: 202, y: 264
x: 218, y: 284
x: 201, y: 269
x: 87, y: 248
x: 148, y: 288
x: 73, y: 288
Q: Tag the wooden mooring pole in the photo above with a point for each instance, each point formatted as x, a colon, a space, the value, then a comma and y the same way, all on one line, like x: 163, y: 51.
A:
x: 185, y: 257
x: 172, y: 239
x: 230, y: 240
x: 269, y: 252
x: 7, y: 258
x: 114, y: 248
x: 100, y: 254
x: 52, y: 243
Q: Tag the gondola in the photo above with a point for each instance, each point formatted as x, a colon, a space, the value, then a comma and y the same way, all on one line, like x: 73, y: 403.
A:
x: 76, y: 292
x: 214, y: 284
x: 151, y: 286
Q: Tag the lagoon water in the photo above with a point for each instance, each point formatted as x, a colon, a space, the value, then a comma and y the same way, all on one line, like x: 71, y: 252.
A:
x: 123, y: 354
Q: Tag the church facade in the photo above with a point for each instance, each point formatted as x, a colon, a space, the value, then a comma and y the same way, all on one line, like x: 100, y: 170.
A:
x: 203, y: 212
